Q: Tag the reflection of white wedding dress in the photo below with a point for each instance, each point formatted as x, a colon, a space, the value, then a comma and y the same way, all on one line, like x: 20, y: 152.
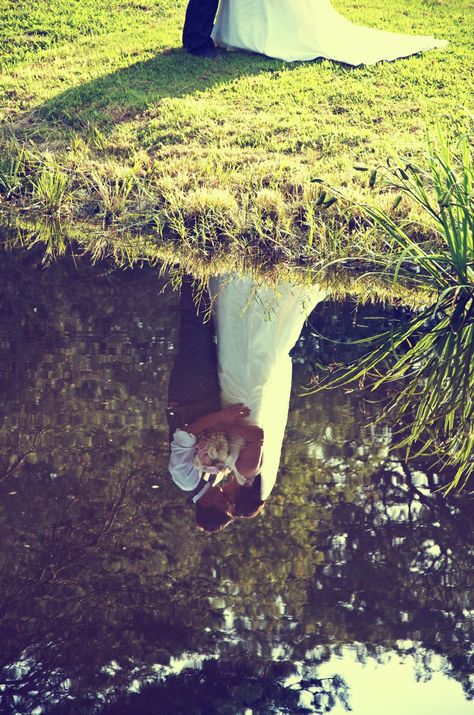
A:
x: 256, y: 328
x: 305, y: 29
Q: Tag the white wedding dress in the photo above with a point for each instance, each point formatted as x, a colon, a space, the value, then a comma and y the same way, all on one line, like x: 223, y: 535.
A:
x: 306, y: 29
x: 256, y: 327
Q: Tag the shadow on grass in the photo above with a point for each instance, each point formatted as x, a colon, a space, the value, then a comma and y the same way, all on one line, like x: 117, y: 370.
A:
x: 122, y: 95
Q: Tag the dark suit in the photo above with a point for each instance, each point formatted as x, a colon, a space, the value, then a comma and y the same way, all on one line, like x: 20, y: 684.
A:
x: 198, y: 25
x: 193, y: 389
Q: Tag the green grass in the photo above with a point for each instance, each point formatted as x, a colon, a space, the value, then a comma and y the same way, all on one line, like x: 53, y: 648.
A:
x: 154, y: 154
x: 29, y: 28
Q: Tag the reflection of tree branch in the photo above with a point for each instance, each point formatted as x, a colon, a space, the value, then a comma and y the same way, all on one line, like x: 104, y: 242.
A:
x: 432, y: 501
x: 256, y: 685
x: 109, y: 522
x: 20, y: 460
x: 55, y: 572
x: 440, y: 501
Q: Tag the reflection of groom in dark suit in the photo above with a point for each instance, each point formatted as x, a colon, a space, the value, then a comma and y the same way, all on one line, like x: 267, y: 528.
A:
x: 198, y: 26
x: 193, y: 389
x: 193, y: 399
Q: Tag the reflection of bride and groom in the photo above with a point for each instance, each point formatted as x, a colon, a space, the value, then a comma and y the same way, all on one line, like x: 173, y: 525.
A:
x: 228, y: 407
x: 292, y: 30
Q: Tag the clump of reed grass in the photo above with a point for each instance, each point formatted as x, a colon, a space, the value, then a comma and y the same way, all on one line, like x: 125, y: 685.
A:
x: 113, y: 188
x: 429, y: 359
x: 11, y: 179
x: 51, y: 189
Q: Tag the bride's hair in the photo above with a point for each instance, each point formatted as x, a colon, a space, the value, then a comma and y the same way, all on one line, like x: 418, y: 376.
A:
x: 248, y: 502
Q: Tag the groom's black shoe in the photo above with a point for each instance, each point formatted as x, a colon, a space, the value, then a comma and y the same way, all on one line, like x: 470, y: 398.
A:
x: 209, y: 53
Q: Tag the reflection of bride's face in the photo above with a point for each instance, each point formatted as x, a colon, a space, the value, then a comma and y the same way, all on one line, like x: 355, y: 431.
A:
x: 231, y: 488
x: 244, y: 501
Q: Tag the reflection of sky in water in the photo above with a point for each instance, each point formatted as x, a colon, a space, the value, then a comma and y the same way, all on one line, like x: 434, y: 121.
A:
x: 354, y: 558
x: 391, y: 686
x: 389, y: 683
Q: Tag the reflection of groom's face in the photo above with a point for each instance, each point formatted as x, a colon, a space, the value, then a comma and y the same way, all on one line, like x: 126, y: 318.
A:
x: 230, y: 489
x: 215, y: 496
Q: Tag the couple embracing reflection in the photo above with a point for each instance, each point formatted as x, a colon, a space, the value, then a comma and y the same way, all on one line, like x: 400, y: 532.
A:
x: 229, y: 392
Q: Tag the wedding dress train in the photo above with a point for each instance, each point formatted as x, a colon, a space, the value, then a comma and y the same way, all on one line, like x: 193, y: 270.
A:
x: 256, y: 327
x: 306, y: 29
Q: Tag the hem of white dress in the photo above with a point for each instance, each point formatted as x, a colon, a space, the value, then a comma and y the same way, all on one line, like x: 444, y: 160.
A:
x: 434, y: 45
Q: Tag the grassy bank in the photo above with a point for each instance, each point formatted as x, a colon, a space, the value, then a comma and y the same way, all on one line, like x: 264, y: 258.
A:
x: 113, y: 137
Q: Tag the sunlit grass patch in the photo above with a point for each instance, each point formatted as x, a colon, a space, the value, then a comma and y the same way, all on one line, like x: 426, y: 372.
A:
x: 196, y: 155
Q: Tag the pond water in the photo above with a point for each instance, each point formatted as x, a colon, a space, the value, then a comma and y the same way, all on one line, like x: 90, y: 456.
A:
x: 353, y: 589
